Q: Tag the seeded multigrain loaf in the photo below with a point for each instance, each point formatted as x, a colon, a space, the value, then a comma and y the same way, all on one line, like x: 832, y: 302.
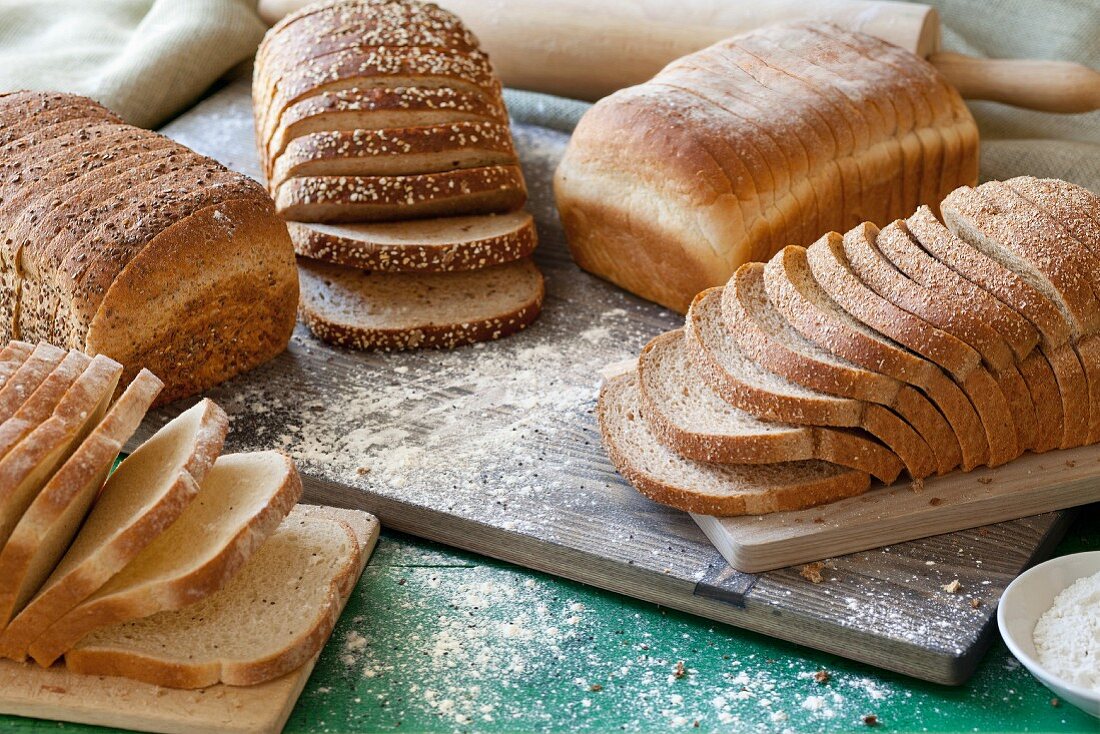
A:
x: 117, y: 241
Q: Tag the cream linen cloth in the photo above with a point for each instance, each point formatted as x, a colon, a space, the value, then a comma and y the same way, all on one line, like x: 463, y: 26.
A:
x: 145, y: 59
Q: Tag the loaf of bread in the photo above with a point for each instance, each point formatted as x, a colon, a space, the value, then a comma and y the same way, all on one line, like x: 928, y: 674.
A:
x: 154, y: 573
x: 755, y: 143
x: 118, y: 241
x: 935, y: 347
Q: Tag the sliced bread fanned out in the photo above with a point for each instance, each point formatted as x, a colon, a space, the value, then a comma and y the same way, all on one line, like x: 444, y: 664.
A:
x: 42, y: 402
x: 425, y: 245
x: 271, y: 618
x: 27, y: 377
x: 48, y: 526
x: 30, y: 464
x: 710, y: 489
x: 243, y: 498
x: 407, y: 310
x: 686, y: 415
x: 743, y: 383
x: 147, y: 493
x: 12, y: 357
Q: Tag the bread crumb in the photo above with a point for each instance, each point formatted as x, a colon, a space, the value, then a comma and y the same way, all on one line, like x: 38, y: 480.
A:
x: 821, y: 677
x: 953, y: 587
x: 985, y: 480
x: 1055, y: 702
x: 1071, y: 463
x: 679, y: 671
x: 819, y: 519
x: 812, y: 572
x: 595, y: 688
x: 870, y: 720
x: 935, y: 501
x: 975, y: 603
x: 917, y: 485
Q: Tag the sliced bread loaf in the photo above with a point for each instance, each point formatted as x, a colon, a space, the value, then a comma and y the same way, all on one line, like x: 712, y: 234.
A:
x: 746, y: 385
x: 1073, y: 207
x: 407, y: 310
x: 425, y: 245
x: 51, y: 521
x: 243, y: 498
x: 29, y: 375
x: 686, y: 415
x: 150, y: 489
x: 259, y: 626
x: 33, y: 461
x: 710, y: 489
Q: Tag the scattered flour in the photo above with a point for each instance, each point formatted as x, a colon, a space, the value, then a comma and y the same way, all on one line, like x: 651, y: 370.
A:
x: 1067, y: 636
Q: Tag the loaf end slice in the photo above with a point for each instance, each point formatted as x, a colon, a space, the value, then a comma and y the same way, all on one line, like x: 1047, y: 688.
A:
x: 258, y: 627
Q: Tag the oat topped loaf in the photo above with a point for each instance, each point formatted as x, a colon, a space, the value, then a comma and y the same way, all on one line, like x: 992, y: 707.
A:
x: 118, y: 241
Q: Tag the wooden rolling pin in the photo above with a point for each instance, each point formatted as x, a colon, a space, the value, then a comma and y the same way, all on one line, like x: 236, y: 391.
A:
x: 587, y: 50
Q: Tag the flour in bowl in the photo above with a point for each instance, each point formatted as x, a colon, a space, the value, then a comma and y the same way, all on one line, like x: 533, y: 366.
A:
x: 1067, y: 636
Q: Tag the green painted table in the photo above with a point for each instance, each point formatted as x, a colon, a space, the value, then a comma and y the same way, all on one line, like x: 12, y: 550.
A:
x: 436, y: 640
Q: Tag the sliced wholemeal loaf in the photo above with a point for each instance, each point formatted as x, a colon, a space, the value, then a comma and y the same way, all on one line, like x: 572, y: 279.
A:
x: 407, y: 310
x: 794, y: 291
x: 744, y: 384
x: 243, y: 498
x: 27, y: 377
x: 426, y: 245
x: 27, y: 467
x: 147, y: 493
x: 23, y: 113
x: 396, y: 152
x: 467, y: 191
x: 37, y: 409
x: 258, y: 627
x: 51, y: 521
x: 711, y: 489
x: 830, y: 266
x: 686, y: 415
x: 1042, y: 385
x: 766, y: 337
x: 1073, y: 207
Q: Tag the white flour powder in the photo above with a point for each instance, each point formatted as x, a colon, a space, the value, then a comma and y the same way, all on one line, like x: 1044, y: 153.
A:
x: 1067, y: 636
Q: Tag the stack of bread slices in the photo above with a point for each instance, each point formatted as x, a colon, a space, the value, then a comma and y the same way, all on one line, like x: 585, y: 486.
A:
x: 385, y: 141
x: 921, y: 347
x: 157, y: 571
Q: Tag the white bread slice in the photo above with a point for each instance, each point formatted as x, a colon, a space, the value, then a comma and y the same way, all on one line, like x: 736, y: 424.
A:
x: 48, y: 526
x: 243, y: 499
x: 710, y: 489
x: 41, y: 403
x: 425, y: 245
x: 259, y: 626
x: 689, y: 417
x: 387, y: 311
x: 150, y: 489
x: 12, y: 357
x: 27, y: 467
x: 27, y: 377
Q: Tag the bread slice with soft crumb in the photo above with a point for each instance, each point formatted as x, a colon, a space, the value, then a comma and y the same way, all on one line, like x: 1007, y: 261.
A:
x: 37, y: 409
x: 390, y: 311
x: 147, y: 493
x: 12, y: 357
x: 710, y: 489
x: 689, y: 417
x: 51, y: 521
x: 243, y: 498
x: 270, y: 619
x: 27, y: 377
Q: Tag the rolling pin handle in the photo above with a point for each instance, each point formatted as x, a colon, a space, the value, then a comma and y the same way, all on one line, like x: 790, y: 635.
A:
x: 1048, y: 86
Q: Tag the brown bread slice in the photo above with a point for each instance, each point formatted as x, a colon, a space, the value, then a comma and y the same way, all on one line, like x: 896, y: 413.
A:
x: 441, y: 244
x: 38, y: 408
x: 378, y: 109
x: 710, y: 489
x: 765, y: 337
x: 487, y: 190
x: 396, y: 152
x: 228, y: 637
x: 387, y: 311
x: 54, y: 517
x: 27, y: 377
x: 1042, y: 385
x: 689, y: 417
x: 12, y: 357
x: 794, y: 291
x: 150, y: 489
x: 830, y: 266
x: 744, y: 384
x: 29, y: 465
x: 26, y: 112
x: 242, y: 500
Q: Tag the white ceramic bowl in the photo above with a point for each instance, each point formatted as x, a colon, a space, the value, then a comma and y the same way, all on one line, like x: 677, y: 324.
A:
x: 1025, y: 600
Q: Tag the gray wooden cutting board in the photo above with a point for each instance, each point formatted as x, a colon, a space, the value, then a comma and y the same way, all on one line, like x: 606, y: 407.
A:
x: 494, y: 448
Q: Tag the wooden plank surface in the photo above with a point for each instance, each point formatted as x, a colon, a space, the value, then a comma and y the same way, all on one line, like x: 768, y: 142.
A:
x: 494, y: 448
x: 57, y: 694
x: 1033, y: 484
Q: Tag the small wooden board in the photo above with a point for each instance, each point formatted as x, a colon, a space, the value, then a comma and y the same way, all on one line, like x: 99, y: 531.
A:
x: 56, y: 693
x: 1031, y: 485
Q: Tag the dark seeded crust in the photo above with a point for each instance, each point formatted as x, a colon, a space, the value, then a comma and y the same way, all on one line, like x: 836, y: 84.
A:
x: 830, y: 483
x: 393, y: 247
x: 30, y: 112
x: 330, y: 326
x: 487, y: 190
